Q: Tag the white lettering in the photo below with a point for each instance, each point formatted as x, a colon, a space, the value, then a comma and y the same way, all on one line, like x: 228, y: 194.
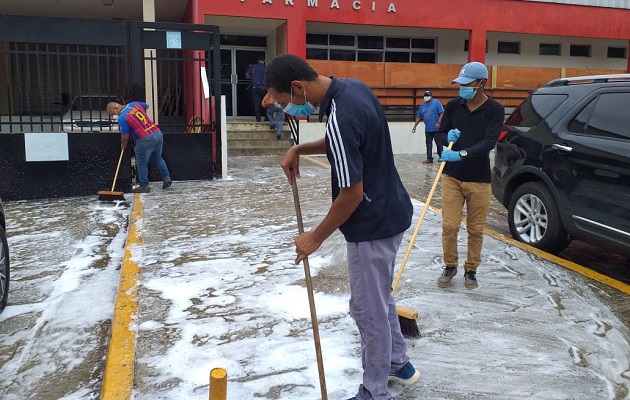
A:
x: 334, y: 4
x: 267, y: 1
x: 391, y: 8
x: 288, y: 3
x: 356, y: 4
x: 373, y: 6
x: 311, y: 3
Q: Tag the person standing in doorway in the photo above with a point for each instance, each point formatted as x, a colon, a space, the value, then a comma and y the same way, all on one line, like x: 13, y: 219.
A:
x: 473, y: 122
x: 430, y: 112
x: 258, y: 86
x: 370, y: 207
x: 134, y: 121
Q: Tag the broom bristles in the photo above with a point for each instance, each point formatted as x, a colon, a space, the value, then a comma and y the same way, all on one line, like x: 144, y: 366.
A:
x: 409, y: 328
x: 407, y: 320
x: 107, y: 195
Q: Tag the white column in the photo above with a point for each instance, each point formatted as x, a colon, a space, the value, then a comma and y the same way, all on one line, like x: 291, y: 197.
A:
x: 150, y: 69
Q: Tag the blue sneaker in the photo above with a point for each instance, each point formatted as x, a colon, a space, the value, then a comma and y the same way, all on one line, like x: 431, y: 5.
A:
x: 407, y: 375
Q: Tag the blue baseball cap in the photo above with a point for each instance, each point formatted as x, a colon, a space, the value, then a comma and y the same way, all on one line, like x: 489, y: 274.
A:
x: 470, y: 72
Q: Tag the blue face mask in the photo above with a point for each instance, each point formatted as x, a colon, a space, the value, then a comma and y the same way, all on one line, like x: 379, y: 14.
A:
x: 467, y: 92
x: 299, y: 110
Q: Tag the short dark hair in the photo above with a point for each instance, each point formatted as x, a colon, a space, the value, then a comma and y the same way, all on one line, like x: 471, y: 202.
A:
x: 286, y: 68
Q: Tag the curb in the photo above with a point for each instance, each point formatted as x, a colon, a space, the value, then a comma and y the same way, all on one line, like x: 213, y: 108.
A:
x: 118, y: 375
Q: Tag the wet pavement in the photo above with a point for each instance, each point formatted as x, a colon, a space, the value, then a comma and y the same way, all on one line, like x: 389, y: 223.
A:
x: 533, y: 329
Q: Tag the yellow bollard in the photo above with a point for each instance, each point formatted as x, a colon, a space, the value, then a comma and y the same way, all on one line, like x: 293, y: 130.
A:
x: 218, y: 384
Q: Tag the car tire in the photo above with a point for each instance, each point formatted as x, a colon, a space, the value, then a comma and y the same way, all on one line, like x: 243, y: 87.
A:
x: 4, y: 270
x: 534, y: 218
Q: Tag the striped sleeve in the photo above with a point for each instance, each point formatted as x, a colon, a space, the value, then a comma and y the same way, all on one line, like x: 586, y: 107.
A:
x: 347, y: 162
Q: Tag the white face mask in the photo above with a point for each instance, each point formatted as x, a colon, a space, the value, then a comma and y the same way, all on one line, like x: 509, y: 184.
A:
x: 427, y: 98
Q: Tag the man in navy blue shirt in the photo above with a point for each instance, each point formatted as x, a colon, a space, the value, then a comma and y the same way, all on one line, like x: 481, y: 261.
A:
x: 259, y: 90
x: 431, y: 113
x: 370, y: 207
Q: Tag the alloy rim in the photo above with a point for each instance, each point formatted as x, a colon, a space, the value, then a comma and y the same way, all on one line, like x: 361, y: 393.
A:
x: 530, y: 218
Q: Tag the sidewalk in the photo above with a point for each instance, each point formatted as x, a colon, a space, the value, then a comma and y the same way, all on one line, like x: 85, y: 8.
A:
x: 218, y: 288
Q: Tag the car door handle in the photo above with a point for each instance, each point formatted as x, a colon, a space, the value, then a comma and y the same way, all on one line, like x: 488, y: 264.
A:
x: 561, y: 147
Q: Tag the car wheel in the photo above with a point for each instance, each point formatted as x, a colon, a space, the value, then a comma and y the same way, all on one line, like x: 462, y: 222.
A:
x: 4, y: 270
x: 534, y: 218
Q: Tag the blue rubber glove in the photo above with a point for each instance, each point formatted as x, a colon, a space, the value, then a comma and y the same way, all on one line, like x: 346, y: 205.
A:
x: 453, y: 135
x: 449, y: 156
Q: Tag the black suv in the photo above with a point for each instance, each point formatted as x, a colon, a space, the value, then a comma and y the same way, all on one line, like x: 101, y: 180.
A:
x: 562, y: 164
x: 4, y: 261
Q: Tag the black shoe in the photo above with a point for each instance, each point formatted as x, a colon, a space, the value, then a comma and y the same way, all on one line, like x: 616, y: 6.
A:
x: 272, y: 127
x: 427, y: 162
x: 445, y: 279
x: 279, y: 137
x: 140, y: 189
x: 470, y: 280
x: 167, y: 183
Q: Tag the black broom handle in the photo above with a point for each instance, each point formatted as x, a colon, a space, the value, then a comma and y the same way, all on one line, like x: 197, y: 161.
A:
x: 309, y: 287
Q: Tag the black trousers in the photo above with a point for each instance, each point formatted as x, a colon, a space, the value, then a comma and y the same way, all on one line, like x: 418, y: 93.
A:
x: 257, y: 96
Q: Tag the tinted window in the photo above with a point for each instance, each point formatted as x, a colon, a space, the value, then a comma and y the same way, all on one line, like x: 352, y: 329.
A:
x: 317, y: 39
x: 549, y: 49
x: 370, y: 42
x: 364, y: 55
x: 534, y: 109
x: 341, y: 40
x: 578, y: 124
x: 317, y: 54
x: 342, y: 55
x: 608, y: 118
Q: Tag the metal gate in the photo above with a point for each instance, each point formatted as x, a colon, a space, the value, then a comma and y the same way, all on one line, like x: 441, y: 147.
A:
x: 58, y: 74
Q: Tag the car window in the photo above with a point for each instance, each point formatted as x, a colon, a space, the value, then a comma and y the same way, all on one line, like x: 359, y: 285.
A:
x: 534, y: 109
x: 578, y: 124
x: 603, y: 117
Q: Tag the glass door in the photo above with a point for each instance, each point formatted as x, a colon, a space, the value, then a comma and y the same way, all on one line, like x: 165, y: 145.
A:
x: 235, y: 80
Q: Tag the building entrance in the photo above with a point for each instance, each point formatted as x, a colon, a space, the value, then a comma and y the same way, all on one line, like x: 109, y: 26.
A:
x: 238, y: 54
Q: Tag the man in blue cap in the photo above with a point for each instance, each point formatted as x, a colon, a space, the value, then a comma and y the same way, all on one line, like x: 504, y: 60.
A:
x: 473, y: 122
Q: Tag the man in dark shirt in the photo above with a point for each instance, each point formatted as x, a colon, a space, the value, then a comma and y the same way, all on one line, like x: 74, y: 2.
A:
x: 473, y: 121
x: 258, y: 86
x: 370, y: 207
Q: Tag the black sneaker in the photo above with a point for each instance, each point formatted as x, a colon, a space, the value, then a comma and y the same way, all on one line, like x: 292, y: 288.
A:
x: 470, y: 280
x: 445, y: 279
x: 140, y: 189
x: 167, y: 183
x: 427, y: 162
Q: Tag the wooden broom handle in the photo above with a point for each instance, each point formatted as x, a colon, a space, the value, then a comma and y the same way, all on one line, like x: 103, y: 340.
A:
x: 122, y: 151
x: 309, y: 287
x: 415, y: 232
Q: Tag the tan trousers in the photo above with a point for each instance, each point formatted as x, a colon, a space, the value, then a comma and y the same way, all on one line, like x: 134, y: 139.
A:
x: 477, y: 198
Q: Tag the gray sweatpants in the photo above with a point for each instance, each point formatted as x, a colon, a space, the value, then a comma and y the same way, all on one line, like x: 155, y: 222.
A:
x: 383, y: 348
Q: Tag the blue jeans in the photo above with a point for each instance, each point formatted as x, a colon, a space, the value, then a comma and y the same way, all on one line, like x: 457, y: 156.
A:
x: 372, y: 306
x: 272, y: 112
x: 150, y: 149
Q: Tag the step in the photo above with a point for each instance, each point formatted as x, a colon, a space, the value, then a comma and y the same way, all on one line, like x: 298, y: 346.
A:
x: 255, y: 139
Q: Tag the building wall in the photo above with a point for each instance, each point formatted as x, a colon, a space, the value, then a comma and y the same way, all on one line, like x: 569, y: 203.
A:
x: 452, y: 23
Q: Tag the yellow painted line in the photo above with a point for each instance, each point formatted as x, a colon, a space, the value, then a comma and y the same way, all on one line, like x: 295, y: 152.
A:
x: 596, y: 276
x: 316, y: 161
x: 606, y: 280
x: 118, y: 377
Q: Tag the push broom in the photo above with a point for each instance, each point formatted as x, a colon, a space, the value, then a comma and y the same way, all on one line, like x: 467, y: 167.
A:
x: 111, y: 195
x: 309, y: 287
x: 407, y: 317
